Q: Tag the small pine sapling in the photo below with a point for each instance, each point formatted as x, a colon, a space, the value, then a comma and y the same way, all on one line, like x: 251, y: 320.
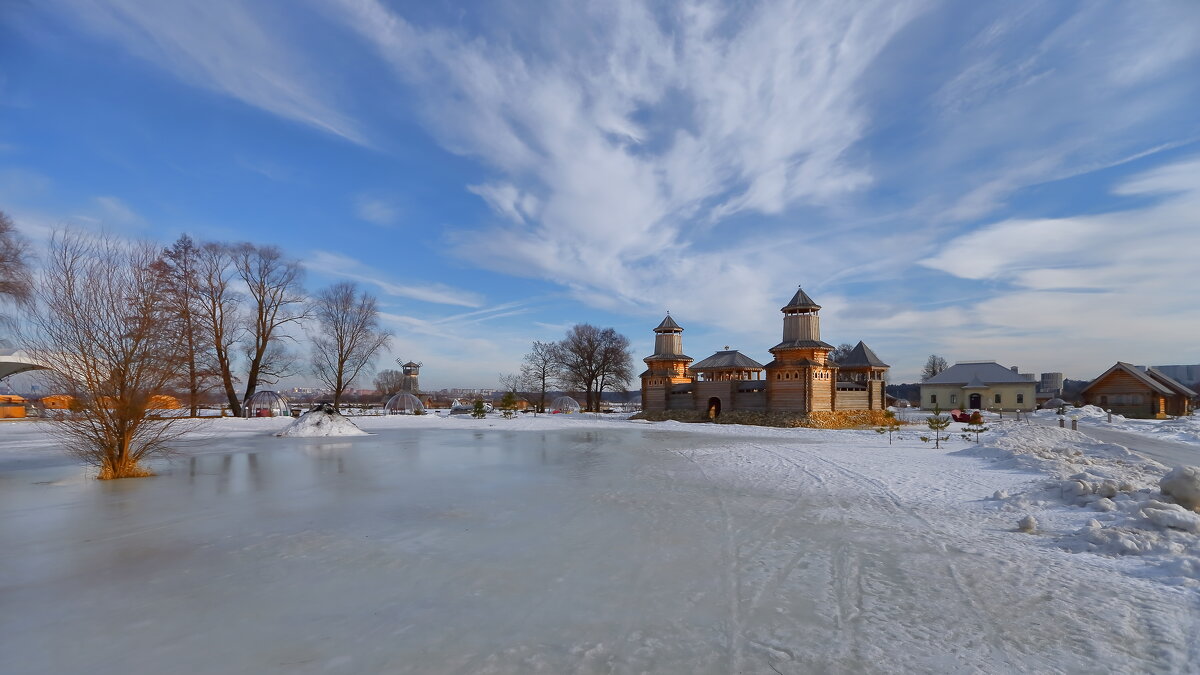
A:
x: 975, y: 426
x: 890, y: 425
x: 478, y: 412
x: 508, y: 405
x: 937, y: 423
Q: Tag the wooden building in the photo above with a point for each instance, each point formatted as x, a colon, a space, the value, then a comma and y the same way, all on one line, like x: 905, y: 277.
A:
x: 1133, y: 392
x: 800, y: 379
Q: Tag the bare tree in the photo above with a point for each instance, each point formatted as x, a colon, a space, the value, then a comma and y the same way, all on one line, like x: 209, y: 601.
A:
x: 348, y: 336
x: 843, y: 350
x: 14, y: 267
x: 594, y: 359
x: 388, y: 382
x: 179, y: 265
x: 219, y: 312
x: 277, y: 300
x: 933, y: 365
x: 540, y: 370
x: 99, y: 322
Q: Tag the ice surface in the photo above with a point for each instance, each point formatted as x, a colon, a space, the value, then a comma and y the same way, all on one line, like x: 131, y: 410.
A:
x: 552, y: 545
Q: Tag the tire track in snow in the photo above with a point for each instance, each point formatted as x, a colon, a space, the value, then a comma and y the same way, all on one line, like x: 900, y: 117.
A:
x: 998, y: 637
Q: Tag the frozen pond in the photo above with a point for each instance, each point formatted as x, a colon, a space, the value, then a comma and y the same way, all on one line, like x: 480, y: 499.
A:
x: 415, y: 551
x: 622, y: 549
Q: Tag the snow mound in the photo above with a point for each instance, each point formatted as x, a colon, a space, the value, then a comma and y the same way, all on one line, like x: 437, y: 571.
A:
x: 322, y: 420
x: 1059, y: 453
x: 1183, y: 483
x: 1126, y: 499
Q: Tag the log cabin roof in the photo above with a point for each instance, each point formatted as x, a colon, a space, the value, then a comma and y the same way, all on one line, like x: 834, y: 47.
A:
x: 1156, y: 380
x: 862, y: 356
x: 730, y: 359
x: 802, y: 344
x: 668, y: 325
x: 669, y: 357
x: 1170, y: 382
x: 800, y: 301
x: 966, y: 372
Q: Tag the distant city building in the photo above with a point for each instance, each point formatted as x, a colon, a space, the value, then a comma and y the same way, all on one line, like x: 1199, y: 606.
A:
x: 1051, y: 383
x: 979, y: 385
x: 1185, y: 374
x: 801, y: 379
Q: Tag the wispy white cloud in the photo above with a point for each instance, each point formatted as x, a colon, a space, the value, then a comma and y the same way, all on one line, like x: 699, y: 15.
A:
x: 374, y: 210
x: 1083, y: 289
x: 225, y: 46
x: 760, y: 105
x: 343, y: 266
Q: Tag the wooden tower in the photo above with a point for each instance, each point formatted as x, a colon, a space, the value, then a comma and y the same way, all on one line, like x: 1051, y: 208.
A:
x: 411, y: 372
x: 801, y: 378
x: 667, y: 367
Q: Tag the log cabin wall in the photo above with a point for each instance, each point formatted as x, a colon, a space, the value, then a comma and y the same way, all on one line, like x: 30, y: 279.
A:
x: 787, y: 392
x: 1124, y: 394
x: 680, y: 401
x: 654, y: 398
x: 723, y: 390
x: 853, y: 400
x: 751, y: 400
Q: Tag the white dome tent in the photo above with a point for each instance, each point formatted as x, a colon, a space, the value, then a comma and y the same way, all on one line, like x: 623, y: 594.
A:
x: 404, y: 403
x: 565, y: 404
x: 267, y: 403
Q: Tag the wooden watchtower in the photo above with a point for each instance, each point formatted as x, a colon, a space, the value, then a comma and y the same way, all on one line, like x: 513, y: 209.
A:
x: 667, y: 367
x: 801, y: 378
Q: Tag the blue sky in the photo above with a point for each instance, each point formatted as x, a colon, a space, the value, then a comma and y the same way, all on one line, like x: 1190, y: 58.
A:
x: 1017, y: 181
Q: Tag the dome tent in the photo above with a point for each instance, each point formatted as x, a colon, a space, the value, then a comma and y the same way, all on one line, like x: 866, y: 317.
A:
x: 565, y: 404
x: 267, y: 403
x: 404, y: 403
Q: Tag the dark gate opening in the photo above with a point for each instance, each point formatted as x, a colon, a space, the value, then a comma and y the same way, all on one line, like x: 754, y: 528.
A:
x: 714, y: 408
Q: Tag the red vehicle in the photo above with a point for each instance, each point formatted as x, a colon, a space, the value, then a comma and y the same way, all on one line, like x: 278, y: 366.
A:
x: 960, y: 416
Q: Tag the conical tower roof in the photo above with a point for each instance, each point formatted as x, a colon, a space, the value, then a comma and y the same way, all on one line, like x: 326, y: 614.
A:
x: 800, y: 302
x: 668, y: 325
x: 862, y: 356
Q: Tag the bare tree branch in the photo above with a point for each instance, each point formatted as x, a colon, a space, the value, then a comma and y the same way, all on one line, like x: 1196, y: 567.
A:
x: 347, y: 338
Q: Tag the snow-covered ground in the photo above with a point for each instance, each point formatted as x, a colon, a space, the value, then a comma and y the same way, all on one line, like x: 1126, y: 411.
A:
x: 595, y: 544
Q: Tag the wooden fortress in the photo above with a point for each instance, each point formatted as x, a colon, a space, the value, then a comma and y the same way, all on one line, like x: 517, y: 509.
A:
x: 800, y: 380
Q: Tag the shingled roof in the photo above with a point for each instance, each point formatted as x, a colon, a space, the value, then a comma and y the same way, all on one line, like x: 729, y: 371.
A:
x: 862, y: 356
x: 965, y: 372
x: 668, y: 325
x: 1153, y: 378
x: 800, y: 301
x: 730, y: 359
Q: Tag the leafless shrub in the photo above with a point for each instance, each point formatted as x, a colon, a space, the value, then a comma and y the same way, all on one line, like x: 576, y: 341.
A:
x: 98, y: 319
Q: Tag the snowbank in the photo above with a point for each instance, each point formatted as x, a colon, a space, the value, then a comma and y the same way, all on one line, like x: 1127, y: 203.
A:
x: 1183, y: 483
x: 322, y: 420
x: 1113, y: 493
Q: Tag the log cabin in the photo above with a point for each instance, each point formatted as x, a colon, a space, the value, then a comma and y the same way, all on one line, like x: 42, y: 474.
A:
x: 800, y: 379
x: 1133, y: 392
